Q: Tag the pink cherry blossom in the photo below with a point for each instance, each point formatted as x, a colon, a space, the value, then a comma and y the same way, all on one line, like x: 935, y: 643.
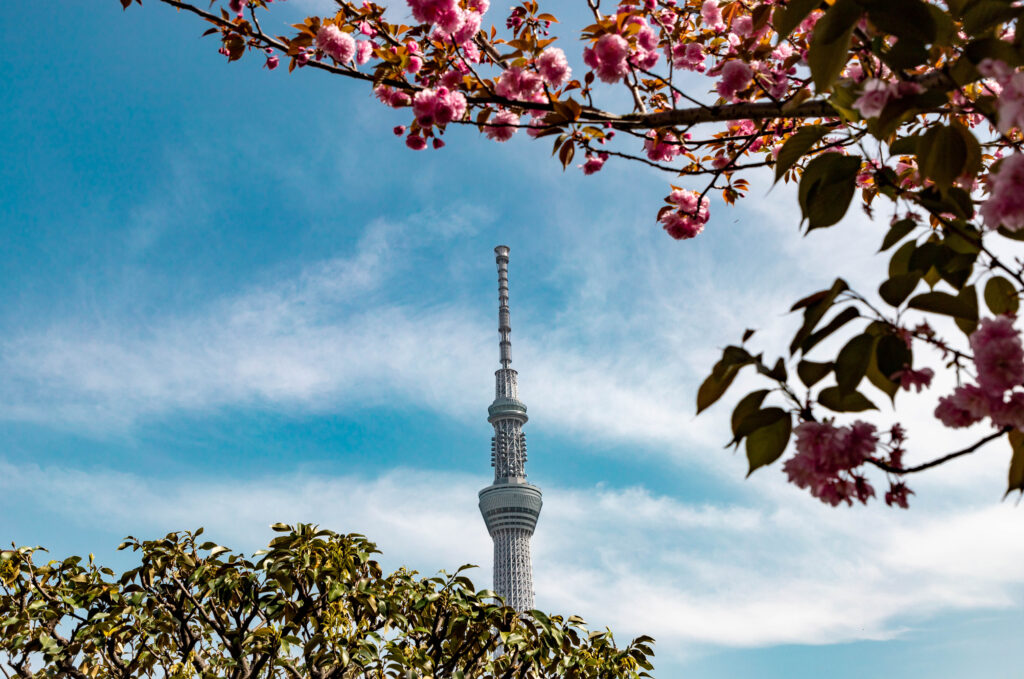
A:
x: 1009, y: 413
x: 438, y: 106
x: 237, y: 6
x: 608, y: 57
x: 736, y: 76
x: 434, y: 11
x: 521, y: 85
x: 469, y: 28
x: 825, y: 456
x: 994, y: 68
x: 662, y: 148
x: 688, y: 220
x: 335, y: 43
x: 998, y: 355
x: 594, y: 163
x: 712, y: 15
x: 897, y: 494
x: 1005, y: 204
x: 782, y: 52
x: 966, y: 406
x: 500, y: 127
x: 554, y: 67
x: 1010, y: 104
x: 914, y: 379
x: 688, y: 56
x: 391, y: 97
x: 807, y: 25
x: 364, y: 50
x: 272, y: 62
x: 873, y: 99
x: 643, y: 56
x: 742, y: 25
x: 416, y: 142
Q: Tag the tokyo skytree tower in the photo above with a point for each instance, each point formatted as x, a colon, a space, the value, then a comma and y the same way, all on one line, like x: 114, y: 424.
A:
x: 510, y: 506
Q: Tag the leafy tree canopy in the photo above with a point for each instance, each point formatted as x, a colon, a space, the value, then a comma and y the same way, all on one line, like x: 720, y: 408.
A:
x: 313, y: 604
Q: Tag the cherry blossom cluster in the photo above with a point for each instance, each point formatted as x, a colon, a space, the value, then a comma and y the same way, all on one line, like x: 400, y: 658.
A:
x: 999, y: 363
x: 685, y: 215
x: 826, y: 457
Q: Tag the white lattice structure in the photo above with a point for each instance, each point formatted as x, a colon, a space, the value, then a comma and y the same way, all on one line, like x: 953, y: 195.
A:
x: 510, y: 506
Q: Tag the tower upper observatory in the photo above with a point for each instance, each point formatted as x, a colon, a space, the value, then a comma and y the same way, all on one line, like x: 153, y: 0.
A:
x: 510, y: 506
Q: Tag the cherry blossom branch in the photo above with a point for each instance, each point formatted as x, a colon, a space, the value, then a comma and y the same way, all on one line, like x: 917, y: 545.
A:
x: 940, y: 460
x: 668, y: 118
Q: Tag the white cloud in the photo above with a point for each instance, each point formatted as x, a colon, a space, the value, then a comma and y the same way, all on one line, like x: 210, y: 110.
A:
x: 690, y: 575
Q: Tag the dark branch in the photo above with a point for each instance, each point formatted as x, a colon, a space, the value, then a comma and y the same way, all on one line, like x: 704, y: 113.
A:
x: 940, y: 460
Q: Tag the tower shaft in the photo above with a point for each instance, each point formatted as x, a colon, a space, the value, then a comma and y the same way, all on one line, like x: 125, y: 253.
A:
x: 510, y: 506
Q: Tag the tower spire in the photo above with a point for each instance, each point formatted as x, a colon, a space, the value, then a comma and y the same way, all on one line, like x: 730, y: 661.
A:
x: 510, y: 506
x: 504, y: 323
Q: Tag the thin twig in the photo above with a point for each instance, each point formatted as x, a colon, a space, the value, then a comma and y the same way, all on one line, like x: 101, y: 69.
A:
x: 940, y: 460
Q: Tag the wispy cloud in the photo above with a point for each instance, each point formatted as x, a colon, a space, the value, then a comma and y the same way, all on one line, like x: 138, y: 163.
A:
x: 617, y: 360
x: 690, y: 575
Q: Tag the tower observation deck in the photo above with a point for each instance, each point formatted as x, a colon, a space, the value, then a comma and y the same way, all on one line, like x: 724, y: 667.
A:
x: 510, y: 506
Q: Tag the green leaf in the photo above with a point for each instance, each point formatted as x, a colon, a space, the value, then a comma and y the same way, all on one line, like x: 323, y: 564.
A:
x: 1016, y: 474
x: 789, y: 17
x: 841, y: 319
x: 716, y: 384
x: 827, y: 60
x: 905, y: 145
x: 816, y: 306
x: 852, y: 362
x: 928, y: 255
x: 907, y: 19
x: 797, y: 146
x: 880, y: 380
x: 905, y: 54
x: 827, y: 187
x: 945, y: 304
x: 899, y: 263
x: 968, y: 297
x: 942, y: 155
x: 965, y: 240
x: 837, y: 20
x: 748, y: 405
x: 853, y: 402
x: 777, y: 371
x: 987, y: 14
x: 891, y: 355
x: 830, y: 43
x: 765, y: 445
x: 810, y: 373
x: 758, y: 419
x: 1000, y: 296
x: 897, y: 232
x: 896, y: 290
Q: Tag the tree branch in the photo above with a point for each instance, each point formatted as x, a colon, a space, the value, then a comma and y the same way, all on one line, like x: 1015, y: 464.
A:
x: 940, y: 460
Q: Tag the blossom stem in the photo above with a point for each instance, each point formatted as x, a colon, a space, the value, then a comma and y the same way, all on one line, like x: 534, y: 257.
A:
x: 939, y: 460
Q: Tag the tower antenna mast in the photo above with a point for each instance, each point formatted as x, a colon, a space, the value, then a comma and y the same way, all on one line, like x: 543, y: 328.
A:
x: 510, y: 506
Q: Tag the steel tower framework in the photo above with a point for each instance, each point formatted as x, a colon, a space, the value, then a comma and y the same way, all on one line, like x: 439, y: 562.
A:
x: 510, y: 506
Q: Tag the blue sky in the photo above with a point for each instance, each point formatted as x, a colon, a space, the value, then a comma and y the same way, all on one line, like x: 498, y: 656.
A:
x: 232, y: 297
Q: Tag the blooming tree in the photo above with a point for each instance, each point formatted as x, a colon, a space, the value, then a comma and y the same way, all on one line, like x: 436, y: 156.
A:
x: 917, y: 102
